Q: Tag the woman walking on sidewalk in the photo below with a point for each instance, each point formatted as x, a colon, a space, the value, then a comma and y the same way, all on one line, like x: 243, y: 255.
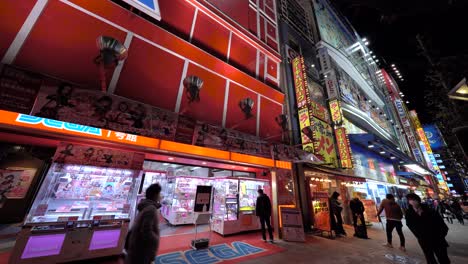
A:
x: 336, y: 219
x: 429, y: 228
x: 394, y: 214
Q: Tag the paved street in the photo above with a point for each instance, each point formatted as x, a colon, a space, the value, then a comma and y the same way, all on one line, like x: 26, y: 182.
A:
x: 352, y: 250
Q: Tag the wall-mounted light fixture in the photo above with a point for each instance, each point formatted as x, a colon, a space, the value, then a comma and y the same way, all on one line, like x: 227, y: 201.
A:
x: 111, y: 51
x: 246, y: 105
x: 282, y: 121
x: 193, y: 85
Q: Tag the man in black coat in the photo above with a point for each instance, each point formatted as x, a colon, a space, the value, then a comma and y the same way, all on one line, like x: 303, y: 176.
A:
x: 263, y: 211
x: 429, y: 228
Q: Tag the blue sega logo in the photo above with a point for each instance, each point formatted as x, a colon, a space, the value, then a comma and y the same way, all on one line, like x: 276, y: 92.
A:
x: 35, y: 120
x: 214, y: 254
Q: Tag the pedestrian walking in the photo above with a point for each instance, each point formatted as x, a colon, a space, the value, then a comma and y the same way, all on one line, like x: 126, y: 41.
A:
x: 357, y: 209
x: 457, y: 211
x: 429, y: 228
x: 143, y: 238
x: 445, y: 212
x: 263, y: 211
x: 393, y: 214
x: 336, y: 219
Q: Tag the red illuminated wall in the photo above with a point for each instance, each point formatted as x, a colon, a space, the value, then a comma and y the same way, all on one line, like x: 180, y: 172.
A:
x: 239, y: 32
x: 62, y: 44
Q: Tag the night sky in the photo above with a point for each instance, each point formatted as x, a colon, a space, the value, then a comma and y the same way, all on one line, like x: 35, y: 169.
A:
x: 392, y: 26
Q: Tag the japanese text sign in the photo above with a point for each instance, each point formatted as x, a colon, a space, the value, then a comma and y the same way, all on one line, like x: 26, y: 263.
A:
x: 300, y: 81
x: 335, y: 110
x: 343, y: 148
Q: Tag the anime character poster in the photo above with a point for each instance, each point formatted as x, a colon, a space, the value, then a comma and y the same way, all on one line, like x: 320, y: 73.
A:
x: 95, y: 156
x: 9, y: 181
x: 206, y: 135
x: 93, y: 108
x: 21, y: 188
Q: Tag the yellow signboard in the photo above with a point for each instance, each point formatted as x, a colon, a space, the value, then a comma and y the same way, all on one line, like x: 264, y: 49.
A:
x: 335, y: 110
x: 324, y: 143
x: 306, y: 133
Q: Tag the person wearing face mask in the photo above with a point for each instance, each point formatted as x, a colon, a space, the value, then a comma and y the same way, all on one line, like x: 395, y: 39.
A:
x: 429, y: 228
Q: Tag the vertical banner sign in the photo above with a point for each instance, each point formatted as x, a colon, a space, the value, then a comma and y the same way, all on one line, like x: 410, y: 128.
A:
x: 432, y: 163
x: 300, y: 82
x: 408, y: 130
x: 344, y: 148
x: 335, y: 109
x: 302, y: 100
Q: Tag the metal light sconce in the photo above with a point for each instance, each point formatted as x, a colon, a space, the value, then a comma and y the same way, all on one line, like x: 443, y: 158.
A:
x: 111, y: 51
x: 193, y: 85
x: 246, y: 105
x: 282, y: 121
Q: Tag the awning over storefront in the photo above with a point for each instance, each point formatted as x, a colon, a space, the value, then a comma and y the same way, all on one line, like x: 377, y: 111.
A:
x: 343, y: 175
x: 387, y: 150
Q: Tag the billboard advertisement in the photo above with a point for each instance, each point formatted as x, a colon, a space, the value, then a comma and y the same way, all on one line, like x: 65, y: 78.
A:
x: 324, y: 144
x: 331, y: 28
x: 435, y: 138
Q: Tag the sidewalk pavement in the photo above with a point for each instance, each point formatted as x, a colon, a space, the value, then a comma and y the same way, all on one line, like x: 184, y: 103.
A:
x: 351, y: 250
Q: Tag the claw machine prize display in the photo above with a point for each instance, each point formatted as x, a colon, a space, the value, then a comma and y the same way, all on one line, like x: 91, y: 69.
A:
x: 179, y: 198
x: 234, y: 204
x: 81, y: 211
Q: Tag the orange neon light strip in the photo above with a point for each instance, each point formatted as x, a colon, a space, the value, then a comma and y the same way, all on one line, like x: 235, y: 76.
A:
x: 13, y: 119
x: 194, y: 150
x: 252, y: 159
x: 34, y: 123
x: 283, y: 164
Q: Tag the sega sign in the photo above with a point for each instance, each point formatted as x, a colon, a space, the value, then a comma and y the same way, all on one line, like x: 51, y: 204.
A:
x: 214, y: 254
x: 149, y: 7
x: 35, y: 120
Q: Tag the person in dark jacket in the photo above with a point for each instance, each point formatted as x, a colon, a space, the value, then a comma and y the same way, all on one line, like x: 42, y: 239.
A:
x: 393, y: 214
x: 457, y: 211
x: 336, y: 219
x: 143, y: 239
x: 263, y: 211
x: 429, y: 228
x: 357, y: 209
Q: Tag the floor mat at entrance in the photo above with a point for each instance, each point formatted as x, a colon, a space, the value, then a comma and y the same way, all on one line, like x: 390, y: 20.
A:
x: 232, y: 249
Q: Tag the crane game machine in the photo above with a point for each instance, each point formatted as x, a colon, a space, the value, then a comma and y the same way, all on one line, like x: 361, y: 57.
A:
x: 83, y: 208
